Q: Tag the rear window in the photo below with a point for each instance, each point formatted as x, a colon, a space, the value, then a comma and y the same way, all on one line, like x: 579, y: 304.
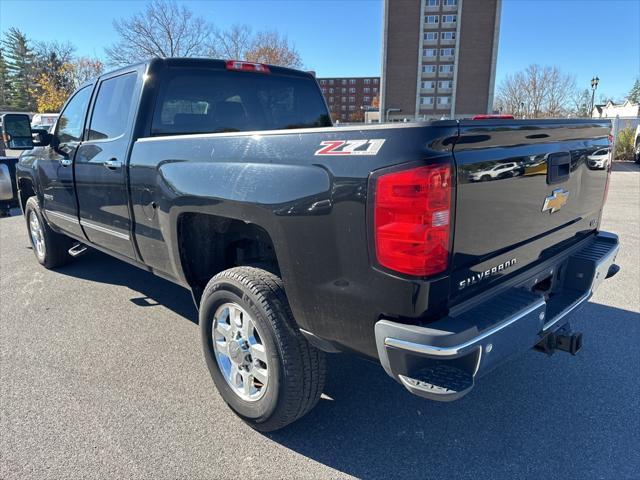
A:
x: 214, y: 101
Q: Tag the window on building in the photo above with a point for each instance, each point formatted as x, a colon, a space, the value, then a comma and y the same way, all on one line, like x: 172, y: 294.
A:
x: 428, y: 68
x: 450, y: 3
x: 352, y: 99
x: 433, y: 3
x: 431, y: 36
x: 344, y: 81
x: 427, y: 84
x: 366, y: 100
x: 343, y: 116
x: 352, y: 90
x: 367, y: 90
x: 426, y: 100
x: 445, y: 68
x: 330, y: 99
x: 367, y: 81
x: 375, y: 90
x: 331, y: 90
x: 331, y: 82
x: 448, y: 35
x: 323, y: 82
x: 343, y: 107
x: 343, y: 90
x: 324, y: 90
x: 352, y: 81
x: 344, y: 99
x: 430, y: 52
x: 446, y: 52
x: 352, y: 108
x: 449, y: 18
x: 375, y: 81
x: 444, y: 100
x: 445, y: 84
x: 432, y: 19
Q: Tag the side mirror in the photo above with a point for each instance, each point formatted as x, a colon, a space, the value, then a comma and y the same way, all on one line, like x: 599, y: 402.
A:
x: 41, y: 137
x: 16, y: 131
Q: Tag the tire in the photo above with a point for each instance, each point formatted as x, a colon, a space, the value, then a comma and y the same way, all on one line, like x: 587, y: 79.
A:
x: 50, y: 248
x: 485, y: 178
x: 295, y: 370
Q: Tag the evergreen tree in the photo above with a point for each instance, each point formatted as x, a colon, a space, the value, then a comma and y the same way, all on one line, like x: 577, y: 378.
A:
x: 5, y: 85
x: 20, y: 61
x: 634, y: 94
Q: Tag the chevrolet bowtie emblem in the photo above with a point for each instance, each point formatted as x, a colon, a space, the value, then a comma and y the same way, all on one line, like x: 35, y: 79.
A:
x: 556, y: 200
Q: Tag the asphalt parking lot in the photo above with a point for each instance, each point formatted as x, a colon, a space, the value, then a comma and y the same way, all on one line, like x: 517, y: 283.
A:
x: 101, y: 376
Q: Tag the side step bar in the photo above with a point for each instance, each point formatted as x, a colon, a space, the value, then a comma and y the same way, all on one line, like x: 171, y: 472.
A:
x: 77, y: 250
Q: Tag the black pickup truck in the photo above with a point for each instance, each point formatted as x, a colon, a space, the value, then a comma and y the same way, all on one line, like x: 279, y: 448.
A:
x: 437, y: 249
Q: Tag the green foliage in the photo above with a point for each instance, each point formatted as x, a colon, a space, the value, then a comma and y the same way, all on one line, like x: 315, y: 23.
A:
x: 20, y: 69
x: 624, y: 144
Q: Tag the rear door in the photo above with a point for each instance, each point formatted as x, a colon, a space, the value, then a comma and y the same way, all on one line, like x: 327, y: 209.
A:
x: 544, y: 194
x: 100, y: 167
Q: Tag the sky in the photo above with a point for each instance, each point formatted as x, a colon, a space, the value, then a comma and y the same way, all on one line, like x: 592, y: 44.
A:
x: 344, y: 37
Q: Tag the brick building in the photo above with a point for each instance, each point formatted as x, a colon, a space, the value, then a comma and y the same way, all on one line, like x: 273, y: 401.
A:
x: 349, y: 97
x: 439, y: 58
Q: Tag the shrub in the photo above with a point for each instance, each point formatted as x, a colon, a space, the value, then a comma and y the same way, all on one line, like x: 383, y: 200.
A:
x: 624, y: 144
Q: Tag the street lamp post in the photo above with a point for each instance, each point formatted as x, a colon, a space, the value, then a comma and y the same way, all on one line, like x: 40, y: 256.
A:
x: 594, y: 86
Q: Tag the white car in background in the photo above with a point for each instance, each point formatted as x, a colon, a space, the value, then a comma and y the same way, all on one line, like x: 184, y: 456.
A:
x: 44, y: 121
x: 599, y: 159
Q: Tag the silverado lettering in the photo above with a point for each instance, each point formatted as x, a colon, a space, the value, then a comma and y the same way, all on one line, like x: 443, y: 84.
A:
x: 487, y: 273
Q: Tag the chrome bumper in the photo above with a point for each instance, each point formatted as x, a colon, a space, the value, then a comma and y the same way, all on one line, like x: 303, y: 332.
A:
x: 441, y: 361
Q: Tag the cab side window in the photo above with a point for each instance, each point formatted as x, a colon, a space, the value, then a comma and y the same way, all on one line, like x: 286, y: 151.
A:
x: 113, y: 105
x: 71, y: 121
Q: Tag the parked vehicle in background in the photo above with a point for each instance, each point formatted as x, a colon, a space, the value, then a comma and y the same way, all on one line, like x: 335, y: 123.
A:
x: 599, y: 158
x: 296, y: 238
x: 502, y: 170
x: 44, y: 121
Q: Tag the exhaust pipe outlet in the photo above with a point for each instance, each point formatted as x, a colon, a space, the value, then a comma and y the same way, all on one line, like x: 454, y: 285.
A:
x: 563, y: 340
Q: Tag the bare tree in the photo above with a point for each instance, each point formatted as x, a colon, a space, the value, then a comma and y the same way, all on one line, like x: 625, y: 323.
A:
x: 86, y: 68
x: 275, y: 49
x: 240, y: 43
x: 537, y: 92
x: 164, y: 29
x: 232, y: 44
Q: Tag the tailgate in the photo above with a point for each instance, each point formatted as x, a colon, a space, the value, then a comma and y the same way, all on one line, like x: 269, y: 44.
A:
x: 525, y: 189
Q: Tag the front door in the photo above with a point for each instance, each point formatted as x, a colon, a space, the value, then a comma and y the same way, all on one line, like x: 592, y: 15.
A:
x: 54, y: 165
x: 100, y: 165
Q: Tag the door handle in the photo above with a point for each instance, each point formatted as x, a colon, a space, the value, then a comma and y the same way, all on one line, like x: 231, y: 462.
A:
x: 66, y: 162
x: 112, y: 164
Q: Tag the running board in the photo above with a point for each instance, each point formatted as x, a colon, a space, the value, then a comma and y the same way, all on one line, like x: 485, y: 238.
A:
x: 77, y: 250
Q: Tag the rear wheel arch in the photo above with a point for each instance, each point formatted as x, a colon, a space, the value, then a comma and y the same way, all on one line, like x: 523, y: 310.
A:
x: 209, y: 244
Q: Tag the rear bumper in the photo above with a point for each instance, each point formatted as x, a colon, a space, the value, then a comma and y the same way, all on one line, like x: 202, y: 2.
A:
x: 443, y: 360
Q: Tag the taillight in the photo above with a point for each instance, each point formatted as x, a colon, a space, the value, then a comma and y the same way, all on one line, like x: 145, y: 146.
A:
x: 247, y: 66
x: 412, y: 210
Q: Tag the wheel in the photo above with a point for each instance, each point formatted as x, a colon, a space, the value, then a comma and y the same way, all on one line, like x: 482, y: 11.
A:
x: 637, y: 154
x: 485, y: 178
x: 263, y: 367
x: 51, y: 248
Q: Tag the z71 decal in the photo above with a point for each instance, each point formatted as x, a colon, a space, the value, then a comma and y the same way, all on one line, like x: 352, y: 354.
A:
x: 350, y: 147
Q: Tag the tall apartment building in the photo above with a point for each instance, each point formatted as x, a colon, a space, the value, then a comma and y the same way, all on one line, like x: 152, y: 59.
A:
x: 439, y: 58
x: 349, y: 97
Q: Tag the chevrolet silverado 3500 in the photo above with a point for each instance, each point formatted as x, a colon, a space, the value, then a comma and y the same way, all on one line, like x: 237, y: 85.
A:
x: 298, y: 238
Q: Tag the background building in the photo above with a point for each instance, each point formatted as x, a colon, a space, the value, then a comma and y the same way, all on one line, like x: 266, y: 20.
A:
x: 439, y: 58
x: 349, y: 97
